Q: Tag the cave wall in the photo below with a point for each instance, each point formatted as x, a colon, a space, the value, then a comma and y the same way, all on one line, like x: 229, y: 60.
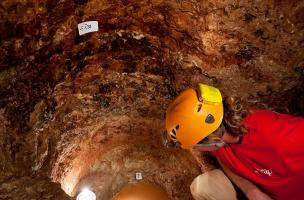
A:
x: 107, y: 126
x: 79, y: 110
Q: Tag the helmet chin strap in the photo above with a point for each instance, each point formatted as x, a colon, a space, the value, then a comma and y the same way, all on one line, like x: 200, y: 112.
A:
x: 220, y: 143
x: 209, y: 147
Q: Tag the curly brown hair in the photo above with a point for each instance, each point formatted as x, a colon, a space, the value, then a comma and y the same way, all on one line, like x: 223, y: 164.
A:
x: 235, y: 110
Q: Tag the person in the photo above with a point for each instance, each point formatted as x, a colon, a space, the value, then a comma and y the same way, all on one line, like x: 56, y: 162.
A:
x: 260, y: 151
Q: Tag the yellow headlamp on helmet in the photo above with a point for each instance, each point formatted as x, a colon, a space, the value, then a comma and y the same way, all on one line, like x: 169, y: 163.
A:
x: 193, y: 115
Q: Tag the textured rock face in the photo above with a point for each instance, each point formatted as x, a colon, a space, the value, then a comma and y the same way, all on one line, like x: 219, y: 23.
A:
x: 106, y: 127
x: 25, y: 187
x: 89, y: 110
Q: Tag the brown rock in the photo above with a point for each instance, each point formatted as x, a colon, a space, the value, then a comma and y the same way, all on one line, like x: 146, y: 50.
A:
x: 89, y: 110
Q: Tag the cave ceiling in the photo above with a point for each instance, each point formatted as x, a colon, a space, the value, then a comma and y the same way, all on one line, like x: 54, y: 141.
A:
x: 88, y: 110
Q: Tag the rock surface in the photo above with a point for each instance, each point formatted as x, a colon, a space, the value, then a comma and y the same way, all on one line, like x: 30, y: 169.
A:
x: 89, y: 110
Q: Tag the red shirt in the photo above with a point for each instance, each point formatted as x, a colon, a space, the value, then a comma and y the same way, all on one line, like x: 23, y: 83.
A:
x: 271, y: 155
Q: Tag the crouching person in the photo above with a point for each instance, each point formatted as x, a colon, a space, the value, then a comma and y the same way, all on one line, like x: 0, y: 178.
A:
x: 260, y: 151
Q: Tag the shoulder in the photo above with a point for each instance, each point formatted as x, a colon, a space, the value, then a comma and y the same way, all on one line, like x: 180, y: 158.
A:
x: 268, y: 116
x: 266, y: 121
x: 262, y: 113
x: 257, y: 118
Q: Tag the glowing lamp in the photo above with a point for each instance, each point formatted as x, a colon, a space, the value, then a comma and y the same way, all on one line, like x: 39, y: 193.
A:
x: 86, y: 194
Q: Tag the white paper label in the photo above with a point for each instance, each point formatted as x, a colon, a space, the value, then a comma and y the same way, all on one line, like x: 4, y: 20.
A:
x: 87, y: 27
x: 138, y: 176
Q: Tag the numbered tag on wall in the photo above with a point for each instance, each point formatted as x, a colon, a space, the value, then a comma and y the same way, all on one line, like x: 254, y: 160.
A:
x: 138, y: 176
x: 87, y: 27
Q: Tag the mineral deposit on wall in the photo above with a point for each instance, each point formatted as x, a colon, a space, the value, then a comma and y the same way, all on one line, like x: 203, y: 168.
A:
x: 89, y: 110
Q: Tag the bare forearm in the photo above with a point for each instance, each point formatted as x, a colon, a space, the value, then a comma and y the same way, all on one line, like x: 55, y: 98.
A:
x: 242, y: 183
x: 249, y: 189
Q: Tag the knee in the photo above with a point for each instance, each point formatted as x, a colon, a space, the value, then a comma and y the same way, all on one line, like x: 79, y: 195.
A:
x: 199, y: 187
x: 212, y: 185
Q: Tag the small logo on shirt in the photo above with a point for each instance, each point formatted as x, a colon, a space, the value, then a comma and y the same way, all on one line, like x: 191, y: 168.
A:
x: 264, y: 171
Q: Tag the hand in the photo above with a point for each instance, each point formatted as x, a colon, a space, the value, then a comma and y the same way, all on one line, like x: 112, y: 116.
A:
x: 257, y: 194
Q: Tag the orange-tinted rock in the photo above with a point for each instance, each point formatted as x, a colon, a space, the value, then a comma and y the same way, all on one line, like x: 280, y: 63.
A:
x: 89, y: 110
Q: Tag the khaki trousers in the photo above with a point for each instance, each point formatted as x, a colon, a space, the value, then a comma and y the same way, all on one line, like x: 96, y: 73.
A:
x: 213, y: 185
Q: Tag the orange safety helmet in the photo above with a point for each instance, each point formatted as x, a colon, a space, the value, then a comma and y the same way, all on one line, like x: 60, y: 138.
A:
x: 142, y: 191
x: 193, y: 115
